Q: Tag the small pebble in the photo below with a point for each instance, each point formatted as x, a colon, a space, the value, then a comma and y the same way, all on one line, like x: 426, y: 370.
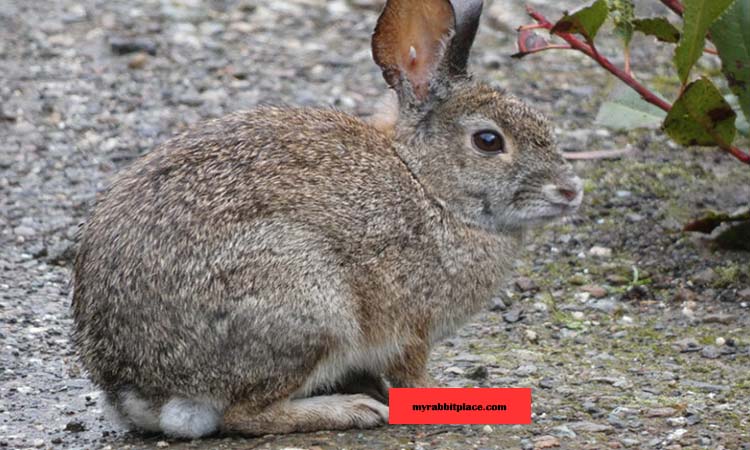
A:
x: 547, y: 383
x: 123, y: 46
x: 497, y: 304
x: 595, y: 290
x: 542, y: 442
x: 75, y: 427
x: 138, y: 61
x: 455, y: 370
x: 477, y: 373
x: 589, y: 427
x: 531, y: 336
x: 660, y: 412
x: 525, y: 370
x: 525, y: 284
x: 162, y: 444
x: 720, y: 341
x: 710, y: 352
x: 564, y: 431
x: 487, y: 429
x: 602, y: 252
x: 676, y: 434
x: 617, y: 280
x: 677, y: 421
x: 706, y: 276
x: 514, y: 315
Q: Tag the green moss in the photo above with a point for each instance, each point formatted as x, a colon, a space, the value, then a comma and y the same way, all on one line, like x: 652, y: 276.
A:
x: 729, y: 275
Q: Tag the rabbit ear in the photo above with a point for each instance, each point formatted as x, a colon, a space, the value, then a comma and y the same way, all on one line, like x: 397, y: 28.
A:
x: 415, y: 40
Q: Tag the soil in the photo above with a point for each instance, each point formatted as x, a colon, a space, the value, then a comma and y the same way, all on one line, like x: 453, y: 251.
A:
x: 631, y: 333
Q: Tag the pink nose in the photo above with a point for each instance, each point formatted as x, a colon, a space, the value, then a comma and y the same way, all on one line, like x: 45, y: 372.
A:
x: 568, y: 194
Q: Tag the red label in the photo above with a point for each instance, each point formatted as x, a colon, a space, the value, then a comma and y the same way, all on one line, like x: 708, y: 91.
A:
x: 506, y: 406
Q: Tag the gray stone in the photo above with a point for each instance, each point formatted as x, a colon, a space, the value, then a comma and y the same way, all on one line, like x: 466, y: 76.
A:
x: 514, y: 315
x: 706, y: 276
x: 24, y: 231
x: 589, y: 427
x: 708, y: 387
x: 710, y: 352
x: 563, y: 431
x: 525, y: 370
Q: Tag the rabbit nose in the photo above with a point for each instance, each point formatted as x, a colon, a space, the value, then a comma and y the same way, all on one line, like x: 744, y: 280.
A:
x: 569, y: 194
x: 566, y: 193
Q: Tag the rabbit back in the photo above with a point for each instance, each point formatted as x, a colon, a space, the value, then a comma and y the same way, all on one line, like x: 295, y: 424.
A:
x: 224, y: 252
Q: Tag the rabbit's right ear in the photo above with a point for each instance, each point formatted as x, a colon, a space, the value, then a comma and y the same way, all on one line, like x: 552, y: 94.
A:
x: 418, y: 42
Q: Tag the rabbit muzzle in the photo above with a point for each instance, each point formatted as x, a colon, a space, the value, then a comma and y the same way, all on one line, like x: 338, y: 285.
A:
x: 566, y: 194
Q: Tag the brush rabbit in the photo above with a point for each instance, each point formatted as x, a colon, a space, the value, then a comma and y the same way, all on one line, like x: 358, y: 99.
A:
x: 265, y: 272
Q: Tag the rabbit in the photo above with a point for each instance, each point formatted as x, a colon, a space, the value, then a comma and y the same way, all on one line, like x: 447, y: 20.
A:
x: 276, y: 270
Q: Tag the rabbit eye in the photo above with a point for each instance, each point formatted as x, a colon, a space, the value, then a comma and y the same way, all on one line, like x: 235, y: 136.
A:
x: 488, y: 141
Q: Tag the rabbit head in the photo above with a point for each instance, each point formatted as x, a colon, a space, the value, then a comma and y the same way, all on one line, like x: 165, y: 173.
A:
x: 485, y: 155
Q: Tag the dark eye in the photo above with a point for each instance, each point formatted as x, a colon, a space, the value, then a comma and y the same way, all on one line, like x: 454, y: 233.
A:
x: 489, y: 141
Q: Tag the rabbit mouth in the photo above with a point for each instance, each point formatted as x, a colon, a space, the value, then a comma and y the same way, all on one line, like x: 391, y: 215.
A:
x: 543, y: 214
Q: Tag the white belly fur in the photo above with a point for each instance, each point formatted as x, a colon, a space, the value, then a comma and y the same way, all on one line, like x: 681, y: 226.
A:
x: 353, y: 357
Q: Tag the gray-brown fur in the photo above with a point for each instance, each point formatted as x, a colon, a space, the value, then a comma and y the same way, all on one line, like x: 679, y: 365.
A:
x: 280, y: 253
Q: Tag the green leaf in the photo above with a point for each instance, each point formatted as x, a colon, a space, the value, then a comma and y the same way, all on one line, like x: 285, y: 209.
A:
x: 658, y: 27
x: 713, y: 220
x: 735, y: 237
x: 698, y: 17
x: 701, y: 116
x: 585, y: 21
x: 731, y: 35
x: 622, y: 13
x: 735, y: 232
x: 626, y: 110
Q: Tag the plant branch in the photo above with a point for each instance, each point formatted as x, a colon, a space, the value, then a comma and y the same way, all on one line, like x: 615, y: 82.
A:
x: 675, y: 6
x: 546, y: 47
x: 587, y: 49
x: 624, y: 75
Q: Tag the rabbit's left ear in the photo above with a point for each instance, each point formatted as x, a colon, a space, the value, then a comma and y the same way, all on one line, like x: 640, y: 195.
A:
x: 417, y: 42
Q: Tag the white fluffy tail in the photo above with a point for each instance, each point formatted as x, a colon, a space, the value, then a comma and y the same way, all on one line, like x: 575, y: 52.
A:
x: 179, y: 417
x: 186, y: 418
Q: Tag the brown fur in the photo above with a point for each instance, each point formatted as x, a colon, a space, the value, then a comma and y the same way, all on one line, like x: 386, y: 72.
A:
x: 283, y: 253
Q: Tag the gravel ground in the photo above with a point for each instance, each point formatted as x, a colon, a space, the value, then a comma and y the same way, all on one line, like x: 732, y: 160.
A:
x: 631, y: 333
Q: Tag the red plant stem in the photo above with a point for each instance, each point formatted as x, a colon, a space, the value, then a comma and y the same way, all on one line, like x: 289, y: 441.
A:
x: 739, y: 154
x: 644, y: 92
x: 548, y: 47
x: 589, y: 50
x: 675, y: 6
x: 533, y: 26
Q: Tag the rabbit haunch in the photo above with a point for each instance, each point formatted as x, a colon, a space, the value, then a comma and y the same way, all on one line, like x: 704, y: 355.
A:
x: 275, y: 270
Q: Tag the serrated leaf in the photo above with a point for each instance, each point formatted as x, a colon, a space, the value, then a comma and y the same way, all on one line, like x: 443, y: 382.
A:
x: 701, y: 116
x: 585, y: 21
x: 713, y: 220
x: 735, y: 237
x: 658, y: 27
x: 626, y: 110
x: 731, y: 35
x: 698, y: 17
x: 622, y: 13
x: 734, y: 233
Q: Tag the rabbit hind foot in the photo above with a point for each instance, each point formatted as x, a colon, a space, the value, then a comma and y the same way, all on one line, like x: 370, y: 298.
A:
x: 323, y: 412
